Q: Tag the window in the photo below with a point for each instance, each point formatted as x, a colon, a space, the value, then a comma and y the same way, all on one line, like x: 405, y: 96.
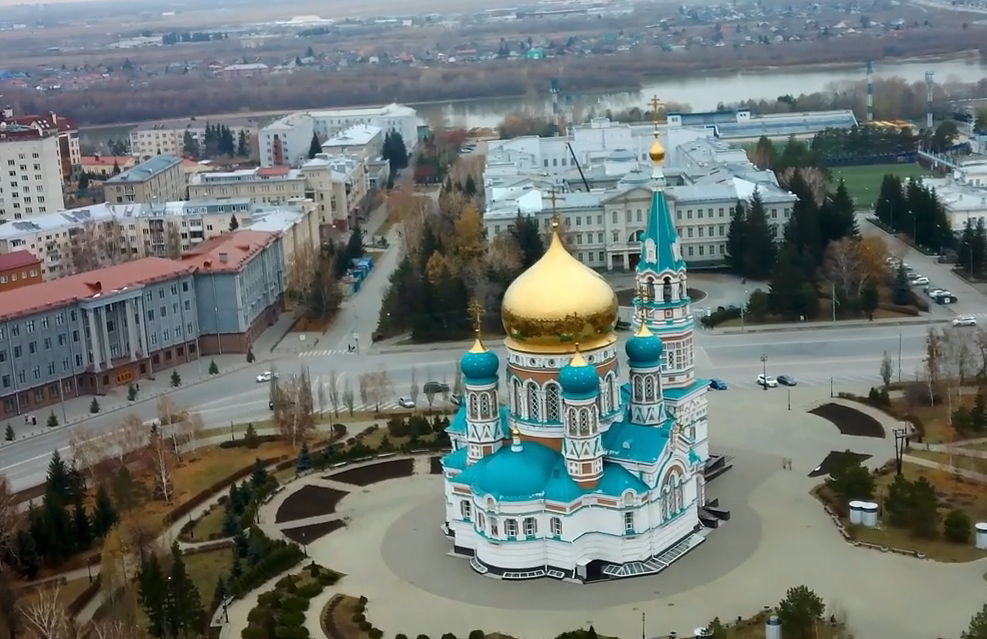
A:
x: 629, y: 522
x: 44, y: 320
x: 51, y: 368
x: 29, y: 326
x: 530, y: 526
x: 465, y: 509
x: 17, y: 351
x: 510, y: 527
x: 494, y: 530
x: 533, y: 412
x: 48, y: 343
x: 150, y: 314
x: 556, y: 525
x: 164, y: 311
x: 552, y: 403
x: 3, y: 356
x: 37, y: 372
x: 5, y: 381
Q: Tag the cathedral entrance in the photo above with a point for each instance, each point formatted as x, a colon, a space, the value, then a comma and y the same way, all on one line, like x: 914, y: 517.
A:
x: 632, y: 260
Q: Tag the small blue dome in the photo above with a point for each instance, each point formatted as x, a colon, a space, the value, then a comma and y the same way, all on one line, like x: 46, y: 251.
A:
x: 644, y: 349
x: 479, y: 363
x: 517, y: 475
x: 579, y: 379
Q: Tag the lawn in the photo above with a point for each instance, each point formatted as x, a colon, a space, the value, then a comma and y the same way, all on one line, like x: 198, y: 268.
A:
x: 935, y: 419
x: 67, y: 593
x: 864, y: 182
x: 205, y: 569
x: 209, y: 524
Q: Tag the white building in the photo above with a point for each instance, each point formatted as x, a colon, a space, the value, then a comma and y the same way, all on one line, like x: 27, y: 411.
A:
x: 286, y: 141
x: 584, y: 477
x: 104, y: 234
x: 963, y: 194
x: 363, y: 140
x: 30, y: 172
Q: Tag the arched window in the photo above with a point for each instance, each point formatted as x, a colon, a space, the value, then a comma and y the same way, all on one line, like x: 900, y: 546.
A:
x: 683, y: 291
x: 533, y: 412
x: 666, y: 290
x: 485, y: 406
x: 472, y: 405
x: 664, y: 503
x: 680, y: 494
x: 584, y: 421
x: 649, y: 388
x: 638, y: 388
x: 518, y: 401
x: 614, y: 393
x: 553, y: 403
x: 650, y: 288
x: 605, y: 397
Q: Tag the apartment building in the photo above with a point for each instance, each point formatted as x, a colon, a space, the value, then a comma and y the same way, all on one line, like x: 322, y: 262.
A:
x: 19, y: 269
x: 67, y: 133
x: 30, y: 172
x: 167, y: 137
x: 286, y: 141
x: 88, y: 238
x: 337, y: 185
x: 91, y: 332
x: 365, y: 141
x: 271, y: 185
x: 240, y: 286
x: 104, y: 166
x: 159, y: 179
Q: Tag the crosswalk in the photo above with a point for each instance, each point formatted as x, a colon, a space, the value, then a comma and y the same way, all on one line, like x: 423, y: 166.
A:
x: 326, y: 352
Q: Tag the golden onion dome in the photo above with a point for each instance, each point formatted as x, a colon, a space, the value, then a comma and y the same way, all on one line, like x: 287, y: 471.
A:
x: 557, y: 303
x: 657, y: 152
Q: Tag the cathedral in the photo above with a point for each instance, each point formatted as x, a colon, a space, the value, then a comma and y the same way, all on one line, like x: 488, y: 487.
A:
x: 585, y: 474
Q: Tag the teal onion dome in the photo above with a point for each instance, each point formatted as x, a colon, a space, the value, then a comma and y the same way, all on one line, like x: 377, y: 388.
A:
x: 579, y: 379
x: 479, y: 364
x: 645, y: 348
x: 516, y: 474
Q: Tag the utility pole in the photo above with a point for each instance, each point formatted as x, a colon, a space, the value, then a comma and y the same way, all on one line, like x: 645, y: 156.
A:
x: 834, y: 300
x: 899, y: 357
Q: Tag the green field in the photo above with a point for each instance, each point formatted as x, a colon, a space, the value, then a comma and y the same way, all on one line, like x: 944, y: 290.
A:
x: 864, y: 182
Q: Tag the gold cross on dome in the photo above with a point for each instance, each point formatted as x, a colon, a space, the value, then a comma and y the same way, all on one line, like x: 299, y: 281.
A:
x: 552, y: 197
x: 655, y: 105
x: 476, y: 313
x: 642, y: 315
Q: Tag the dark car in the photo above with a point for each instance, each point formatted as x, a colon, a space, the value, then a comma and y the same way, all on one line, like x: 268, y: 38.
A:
x: 717, y: 384
x: 436, y: 388
x: 787, y: 380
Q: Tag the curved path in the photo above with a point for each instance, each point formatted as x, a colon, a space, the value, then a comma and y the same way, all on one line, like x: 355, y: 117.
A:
x: 393, y: 552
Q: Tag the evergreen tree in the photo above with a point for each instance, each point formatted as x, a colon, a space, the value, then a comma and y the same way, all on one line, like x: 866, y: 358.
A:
x: 190, y: 147
x: 58, y: 529
x: 94, y: 406
x: 354, y: 247
x: 231, y: 525
x: 759, y: 240
x: 842, y: 220
x: 901, y: 293
x: 57, y: 482
x: 737, y: 239
x: 869, y: 298
x: 81, y: 525
x: 28, y: 562
x: 116, y: 168
x: 469, y: 188
x: 802, y: 231
x: 891, y: 207
x: 528, y: 238
x: 234, y: 223
x: 183, y: 605
x: 314, y: 147
x: 104, y: 514
x: 395, y: 151
x: 213, y: 368
x: 250, y: 437
x: 83, y: 181
x: 176, y: 379
x: 259, y: 477
x: 790, y: 294
x: 243, y: 145
x: 800, y: 611
x: 304, y: 459
x: 219, y: 592
x: 52, y: 420
x: 152, y: 594
x: 9, y: 434
x: 979, y: 412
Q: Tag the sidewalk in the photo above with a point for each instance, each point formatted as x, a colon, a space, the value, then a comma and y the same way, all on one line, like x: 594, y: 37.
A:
x: 928, y: 463
x: 810, y: 326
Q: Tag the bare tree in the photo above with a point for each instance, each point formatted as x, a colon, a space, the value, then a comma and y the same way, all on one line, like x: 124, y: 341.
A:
x: 161, y: 461
x: 117, y: 629
x: 131, y: 436
x: 167, y: 411
x: 414, y: 389
x: 320, y: 394
x: 887, y: 370
x: 933, y: 362
x: 298, y: 416
x: 9, y: 517
x: 348, y: 399
x: 845, y: 268
x: 88, y: 449
x: 979, y: 347
x: 304, y: 262
x: 46, y: 615
x: 334, y: 392
x: 366, y: 381
x: 190, y: 429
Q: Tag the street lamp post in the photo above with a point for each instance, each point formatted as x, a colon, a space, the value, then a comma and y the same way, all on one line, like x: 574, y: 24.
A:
x: 900, y: 443
x: 764, y: 372
x: 789, y: 398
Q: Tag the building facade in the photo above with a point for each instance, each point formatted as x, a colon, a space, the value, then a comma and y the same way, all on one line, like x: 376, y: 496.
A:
x: 240, y: 285
x: 105, y: 166
x: 364, y: 141
x: 89, y: 333
x: 273, y: 185
x: 159, y: 179
x: 67, y: 133
x: 19, y: 269
x: 167, y: 137
x: 30, y: 172
x: 582, y: 478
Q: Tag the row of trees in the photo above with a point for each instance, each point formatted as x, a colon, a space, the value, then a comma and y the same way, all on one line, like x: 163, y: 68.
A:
x: 314, y: 276
x: 218, y: 141
x: 436, y: 153
x: 914, y: 209
x: 971, y: 254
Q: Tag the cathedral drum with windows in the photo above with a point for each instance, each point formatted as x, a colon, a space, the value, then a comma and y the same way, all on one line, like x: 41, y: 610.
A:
x: 584, y: 475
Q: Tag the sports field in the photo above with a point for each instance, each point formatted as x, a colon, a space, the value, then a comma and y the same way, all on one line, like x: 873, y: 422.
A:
x: 864, y: 182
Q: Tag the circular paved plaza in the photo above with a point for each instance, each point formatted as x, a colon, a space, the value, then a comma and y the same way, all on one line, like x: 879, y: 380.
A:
x: 393, y: 552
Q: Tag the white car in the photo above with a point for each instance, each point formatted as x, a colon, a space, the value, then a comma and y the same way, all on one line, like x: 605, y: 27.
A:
x: 266, y: 376
x: 767, y: 380
x: 406, y: 402
x: 965, y: 320
x: 935, y: 291
x: 921, y: 280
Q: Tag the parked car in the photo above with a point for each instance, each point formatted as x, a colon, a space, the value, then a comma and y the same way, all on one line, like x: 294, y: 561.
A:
x: 266, y: 376
x: 932, y: 291
x: 965, y: 320
x: 717, y: 384
x: 920, y: 280
x: 406, y: 402
x: 787, y: 380
x: 435, y: 388
x: 767, y: 381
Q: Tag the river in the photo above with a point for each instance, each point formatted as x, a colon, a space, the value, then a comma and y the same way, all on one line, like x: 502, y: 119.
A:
x: 702, y: 92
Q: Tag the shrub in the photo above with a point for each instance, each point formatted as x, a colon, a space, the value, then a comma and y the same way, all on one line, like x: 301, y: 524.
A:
x: 253, y: 632
x: 213, y: 369
x: 338, y: 431
x: 400, y: 635
x: 258, y: 614
x: 448, y: 635
x: 328, y: 578
x: 295, y: 603
x: 365, y: 626
x: 359, y: 618
x: 956, y: 527
x: 291, y: 632
x: 292, y: 618
x: 720, y: 315
x: 477, y: 634
x: 422, y: 637
x: 285, y: 582
x: 310, y: 590
x: 917, y: 394
x: 376, y: 633
x: 363, y: 600
x: 94, y: 406
x: 314, y: 569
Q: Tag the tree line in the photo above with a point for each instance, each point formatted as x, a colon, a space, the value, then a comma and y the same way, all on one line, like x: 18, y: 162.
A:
x: 914, y: 209
x: 218, y: 141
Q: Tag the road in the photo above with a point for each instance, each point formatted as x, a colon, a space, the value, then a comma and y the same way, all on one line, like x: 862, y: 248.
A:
x: 843, y: 359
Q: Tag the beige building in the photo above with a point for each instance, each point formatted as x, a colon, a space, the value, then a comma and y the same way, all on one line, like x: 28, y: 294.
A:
x: 365, y: 141
x: 273, y: 185
x: 167, y: 137
x: 30, y: 172
x: 160, y: 179
x: 96, y: 236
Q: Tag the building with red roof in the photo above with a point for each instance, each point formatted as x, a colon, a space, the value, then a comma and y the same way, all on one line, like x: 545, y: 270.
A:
x: 19, y: 269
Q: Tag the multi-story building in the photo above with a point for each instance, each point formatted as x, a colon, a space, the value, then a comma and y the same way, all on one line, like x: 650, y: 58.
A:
x: 19, y: 269
x: 159, y: 179
x: 69, y: 151
x: 254, y: 70
x: 338, y: 185
x: 271, y: 185
x: 286, y: 141
x: 362, y: 140
x: 91, y: 332
x: 30, y: 172
x: 167, y: 137
x: 100, y: 235
x: 240, y: 286
x: 104, y: 166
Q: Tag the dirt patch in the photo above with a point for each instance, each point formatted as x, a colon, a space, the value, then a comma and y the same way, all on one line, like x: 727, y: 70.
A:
x: 366, y: 475
x: 850, y: 421
x: 435, y: 466
x: 835, y: 459
x: 308, y: 534
x: 309, y: 501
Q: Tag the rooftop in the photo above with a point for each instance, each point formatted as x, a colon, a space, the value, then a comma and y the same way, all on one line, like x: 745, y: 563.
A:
x: 228, y: 252
x: 105, y: 160
x: 393, y: 109
x: 20, y: 133
x: 356, y: 135
x: 57, y: 293
x: 145, y: 170
x: 195, y: 124
x: 16, y: 260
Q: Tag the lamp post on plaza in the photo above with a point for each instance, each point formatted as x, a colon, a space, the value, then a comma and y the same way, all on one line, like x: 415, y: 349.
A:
x: 764, y: 371
x: 900, y: 443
